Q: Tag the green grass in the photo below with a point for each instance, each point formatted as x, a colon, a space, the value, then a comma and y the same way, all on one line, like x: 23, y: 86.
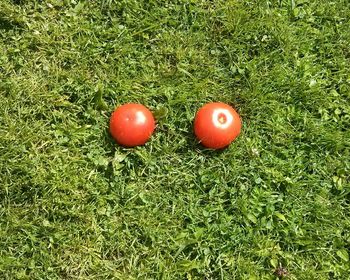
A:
x: 74, y: 205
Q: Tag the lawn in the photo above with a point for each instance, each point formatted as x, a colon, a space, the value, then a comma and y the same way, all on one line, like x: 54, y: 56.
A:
x: 75, y: 205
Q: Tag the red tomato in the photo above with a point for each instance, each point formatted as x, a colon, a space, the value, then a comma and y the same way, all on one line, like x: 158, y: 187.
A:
x: 131, y: 125
x: 216, y: 125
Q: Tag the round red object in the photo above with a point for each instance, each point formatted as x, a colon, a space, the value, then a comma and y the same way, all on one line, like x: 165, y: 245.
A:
x: 216, y: 125
x: 131, y: 125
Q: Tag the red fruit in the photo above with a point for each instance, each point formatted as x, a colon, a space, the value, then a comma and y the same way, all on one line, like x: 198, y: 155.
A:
x: 131, y: 125
x: 216, y: 125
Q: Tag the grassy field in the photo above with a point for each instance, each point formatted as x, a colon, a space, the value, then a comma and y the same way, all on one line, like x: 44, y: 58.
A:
x: 74, y: 205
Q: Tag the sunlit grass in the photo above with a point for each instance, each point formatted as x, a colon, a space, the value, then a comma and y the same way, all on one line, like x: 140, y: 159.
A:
x: 74, y: 205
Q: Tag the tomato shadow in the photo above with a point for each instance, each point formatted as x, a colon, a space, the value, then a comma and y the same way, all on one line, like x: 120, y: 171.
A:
x: 192, y: 143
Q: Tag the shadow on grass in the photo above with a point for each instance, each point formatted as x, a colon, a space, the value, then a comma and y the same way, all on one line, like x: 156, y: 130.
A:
x: 7, y: 25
